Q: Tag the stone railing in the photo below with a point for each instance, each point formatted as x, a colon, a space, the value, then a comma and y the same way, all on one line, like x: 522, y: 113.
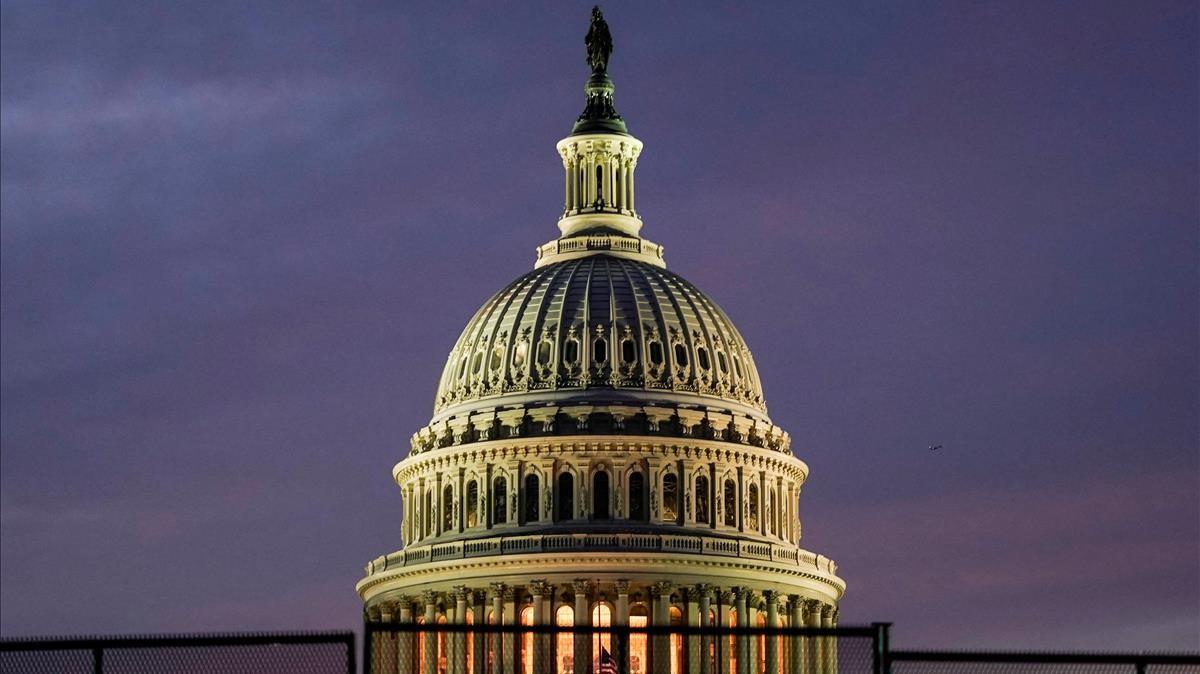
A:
x: 616, y: 542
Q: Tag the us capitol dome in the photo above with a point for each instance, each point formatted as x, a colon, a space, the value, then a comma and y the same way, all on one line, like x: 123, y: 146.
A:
x: 600, y: 450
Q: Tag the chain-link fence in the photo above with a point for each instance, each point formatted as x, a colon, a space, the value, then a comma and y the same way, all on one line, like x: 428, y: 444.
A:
x: 311, y: 653
x: 395, y: 648
x: 958, y: 662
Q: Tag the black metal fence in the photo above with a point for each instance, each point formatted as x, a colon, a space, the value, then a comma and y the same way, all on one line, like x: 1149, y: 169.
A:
x: 397, y: 648
x: 980, y: 662
x: 301, y: 653
x: 515, y: 649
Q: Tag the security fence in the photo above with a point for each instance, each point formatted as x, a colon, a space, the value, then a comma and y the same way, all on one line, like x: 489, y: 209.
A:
x: 408, y: 648
x: 397, y: 648
x: 977, y: 662
x: 301, y: 653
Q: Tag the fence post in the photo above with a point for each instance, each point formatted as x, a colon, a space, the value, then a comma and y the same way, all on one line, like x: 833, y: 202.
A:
x: 882, y: 660
x: 350, y: 664
x: 367, y: 648
x: 97, y: 660
x: 1140, y: 666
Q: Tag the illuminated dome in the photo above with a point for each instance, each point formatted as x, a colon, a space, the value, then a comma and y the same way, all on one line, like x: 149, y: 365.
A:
x: 590, y: 337
x: 600, y: 439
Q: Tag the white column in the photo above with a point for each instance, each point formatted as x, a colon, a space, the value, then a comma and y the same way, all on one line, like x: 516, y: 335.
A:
x: 429, y: 597
x: 583, y: 618
x: 772, y: 599
x: 724, y: 654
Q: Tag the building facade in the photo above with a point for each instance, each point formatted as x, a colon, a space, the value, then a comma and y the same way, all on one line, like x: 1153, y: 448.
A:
x: 600, y: 452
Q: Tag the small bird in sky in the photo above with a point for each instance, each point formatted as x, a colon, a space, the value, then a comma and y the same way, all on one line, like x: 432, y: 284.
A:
x: 934, y: 448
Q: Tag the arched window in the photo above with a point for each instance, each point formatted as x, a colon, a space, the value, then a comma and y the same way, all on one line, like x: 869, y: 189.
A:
x: 670, y: 501
x: 731, y: 504
x: 499, y: 501
x: 526, y: 618
x: 752, y: 503
x: 427, y: 525
x: 702, y: 509
x: 472, y: 504
x: 601, y: 617
x: 600, y: 496
x: 771, y: 508
x: 566, y: 497
x: 448, y: 508
x: 531, y: 498
x: 565, y: 640
x: 638, y: 658
x: 637, y: 496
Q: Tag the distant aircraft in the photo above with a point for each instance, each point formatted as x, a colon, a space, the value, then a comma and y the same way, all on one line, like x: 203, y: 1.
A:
x: 934, y: 448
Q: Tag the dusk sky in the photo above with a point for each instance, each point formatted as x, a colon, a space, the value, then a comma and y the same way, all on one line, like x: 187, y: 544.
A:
x: 239, y: 240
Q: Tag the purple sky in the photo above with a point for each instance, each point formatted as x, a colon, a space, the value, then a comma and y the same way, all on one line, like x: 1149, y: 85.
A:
x: 239, y: 240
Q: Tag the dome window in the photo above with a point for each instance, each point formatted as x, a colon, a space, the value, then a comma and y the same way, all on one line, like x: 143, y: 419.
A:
x: 477, y: 362
x: 681, y: 356
x: 532, y: 514
x: 566, y: 497
x: 702, y: 515
x: 721, y: 363
x: 472, y: 504
x: 656, y: 354
x: 600, y: 496
x: 497, y: 357
x: 737, y: 367
x: 448, y: 508
x: 545, y: 353
x: 702, y: 357
x: 670, y: 488
x: 520, y: 354
x: 731, y: 507
x: 628, y: 351
x: 499, y: 501
x: 600, y: 350
x: 637, y: 496
x: 752, y: 504
x: 571, y: 351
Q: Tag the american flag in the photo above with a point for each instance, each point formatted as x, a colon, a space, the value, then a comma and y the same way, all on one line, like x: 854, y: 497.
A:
x: 607, y: 664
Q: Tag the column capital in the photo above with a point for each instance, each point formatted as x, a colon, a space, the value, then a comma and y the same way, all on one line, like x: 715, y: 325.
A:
x: 827, y: 610
x: 662, y: 588
x: 705, y: 590
x: 740, y: 593
x: 478, y: 596
x: 622, y: 585
x: 539, y: 587
x: 497, y: 589
x: 582, y: 586
x: 429, y: 597
x: 726, y: 597
x: 771, y: 597
x: 795, y: 600
x: 834, y: 616
x: 373, y: 613
x: 462, y: 592
x: 509, y: 593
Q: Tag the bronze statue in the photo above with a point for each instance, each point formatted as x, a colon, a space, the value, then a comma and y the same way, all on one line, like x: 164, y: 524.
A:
x: 599, y: 43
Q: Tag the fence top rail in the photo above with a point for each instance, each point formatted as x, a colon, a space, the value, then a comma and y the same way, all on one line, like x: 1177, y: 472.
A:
x: 867, y: 632
x: 10, y: 644
x: 1047, y: 658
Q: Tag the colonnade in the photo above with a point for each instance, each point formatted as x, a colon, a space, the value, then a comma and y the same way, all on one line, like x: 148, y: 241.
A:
x: 587, y: 604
